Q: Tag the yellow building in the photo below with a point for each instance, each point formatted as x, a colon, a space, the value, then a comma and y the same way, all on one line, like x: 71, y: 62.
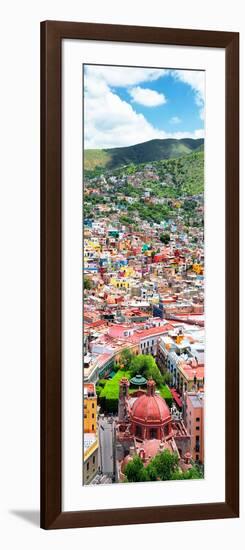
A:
x: 93, y: 245
x: 128, y: 271
x: 91, y: 457
x: 118, y: 282
x: 90, y: 439
x: 89, y: 251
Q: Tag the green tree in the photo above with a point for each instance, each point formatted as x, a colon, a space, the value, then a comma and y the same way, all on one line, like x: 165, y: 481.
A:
x: 166, y: 377
x: 147, y: 367
x: 135, y: 470
x: 189, y: 205
x: 193, y: 473
x: 165, y: 238
x: 126, y: 357
x: 87, y: 285
x: 162, y: 466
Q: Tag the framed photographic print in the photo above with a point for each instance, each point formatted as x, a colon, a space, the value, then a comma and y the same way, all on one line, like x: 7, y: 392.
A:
x: 139, y: 274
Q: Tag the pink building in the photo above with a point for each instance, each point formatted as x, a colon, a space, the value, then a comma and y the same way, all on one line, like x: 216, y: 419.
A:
x: 194, y: 421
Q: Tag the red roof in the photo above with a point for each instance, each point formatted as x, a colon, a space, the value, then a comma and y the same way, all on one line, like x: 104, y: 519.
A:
x: 190, y: 371
x: 95, y: 324
x: 154, y: 330
x: 176, y: 397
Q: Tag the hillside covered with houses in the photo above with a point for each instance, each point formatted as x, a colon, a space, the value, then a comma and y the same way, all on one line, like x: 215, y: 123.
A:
x: 143, y: 310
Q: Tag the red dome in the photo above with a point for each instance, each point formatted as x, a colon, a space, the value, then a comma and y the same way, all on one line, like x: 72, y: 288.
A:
x: 150, y: 409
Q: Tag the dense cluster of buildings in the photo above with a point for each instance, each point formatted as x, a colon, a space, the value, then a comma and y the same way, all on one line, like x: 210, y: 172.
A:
x: 146, y: 296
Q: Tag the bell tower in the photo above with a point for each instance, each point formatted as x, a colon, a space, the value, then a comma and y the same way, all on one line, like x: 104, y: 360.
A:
x: 123, y: 396
x: 151, y: 387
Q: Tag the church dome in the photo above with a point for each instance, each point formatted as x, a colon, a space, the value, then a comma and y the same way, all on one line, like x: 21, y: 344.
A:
x: 150, y: 408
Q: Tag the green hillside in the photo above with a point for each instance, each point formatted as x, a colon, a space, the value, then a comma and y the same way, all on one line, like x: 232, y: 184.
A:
x: 156, y: 149
x: 176, y: 178
x: 95, y: 158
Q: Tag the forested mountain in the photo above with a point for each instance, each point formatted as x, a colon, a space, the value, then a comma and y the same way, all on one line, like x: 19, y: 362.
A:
x: 156, y: 149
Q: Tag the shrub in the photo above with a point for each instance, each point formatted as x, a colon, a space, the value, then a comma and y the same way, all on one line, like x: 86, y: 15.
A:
x: 102, y: 383
x: 110, y: 392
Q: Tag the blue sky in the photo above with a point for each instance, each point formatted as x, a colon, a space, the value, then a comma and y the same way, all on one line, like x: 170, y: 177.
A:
x: 126, y: 105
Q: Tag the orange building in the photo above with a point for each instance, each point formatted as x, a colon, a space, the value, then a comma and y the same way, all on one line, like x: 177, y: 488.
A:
x: 194, y: 421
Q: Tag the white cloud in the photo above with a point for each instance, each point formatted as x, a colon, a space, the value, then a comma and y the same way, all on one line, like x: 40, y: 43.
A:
x: 123, y: 76
x: 196, y: 134
x: 147, y: 97
x: 111, y: 121
x: 196, y: 80
x: 175, y: 120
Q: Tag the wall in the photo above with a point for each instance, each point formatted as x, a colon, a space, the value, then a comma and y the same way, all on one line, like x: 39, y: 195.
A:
x: 19, y: 288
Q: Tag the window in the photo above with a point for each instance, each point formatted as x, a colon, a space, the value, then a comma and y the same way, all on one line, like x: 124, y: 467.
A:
x: 197, y: 457
x: 197, y: 428
x: 138, y: 431
x: 87, y: 466
x: 92, y: 427
x: 93, y: 459
x: 153, y: 433
x: 92, y: 405
x: 93, y: 416
x: 197, y: 438
x: 197, y: 419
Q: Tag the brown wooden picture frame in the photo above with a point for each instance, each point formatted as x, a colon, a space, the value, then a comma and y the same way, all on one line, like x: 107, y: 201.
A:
x: 52, y: 34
